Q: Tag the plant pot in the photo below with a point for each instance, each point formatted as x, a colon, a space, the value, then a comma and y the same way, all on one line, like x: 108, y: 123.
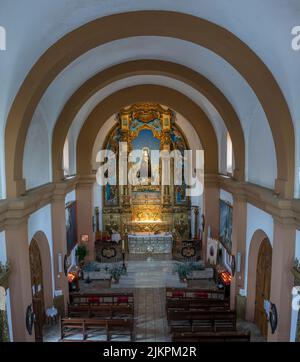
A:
x: 296, y: 272
x: 4, y: 280
x: 182, y: 279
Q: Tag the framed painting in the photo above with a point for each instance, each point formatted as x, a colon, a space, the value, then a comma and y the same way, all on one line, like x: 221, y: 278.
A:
x: 226, y: 225
x: 180, y: 194
x: 111, y: 195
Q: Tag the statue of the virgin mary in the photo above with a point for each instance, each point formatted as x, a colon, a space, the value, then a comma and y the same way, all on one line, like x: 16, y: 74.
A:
x: 144, y: 173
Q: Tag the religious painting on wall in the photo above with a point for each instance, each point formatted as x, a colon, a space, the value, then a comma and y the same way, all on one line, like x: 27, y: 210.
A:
x: 226, y: 225
x: 111, y: 195
x: 111, y: 190
x: 179, y: 144
x: 71, y: 226
x: 180, y: 195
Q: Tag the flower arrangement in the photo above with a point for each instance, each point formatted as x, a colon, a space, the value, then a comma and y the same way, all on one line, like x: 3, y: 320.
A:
x: 92, y: 266
x: 4, y: 274
x: 4, y: 268
x: 296, y: 270
x: 116, y: 271
x: 184, y: 269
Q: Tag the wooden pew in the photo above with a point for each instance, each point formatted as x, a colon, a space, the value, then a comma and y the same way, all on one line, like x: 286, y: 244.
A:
x: 194, y: 328
x: 198, y: 304
x: 205, y: 320
x: 105, y: 311
x: 190, y: 293
x: 91, y: 327
x: 211, y: 337
x: 101, y: 298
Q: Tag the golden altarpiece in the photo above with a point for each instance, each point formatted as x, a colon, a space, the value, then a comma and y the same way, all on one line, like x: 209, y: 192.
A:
x: 147, y: 206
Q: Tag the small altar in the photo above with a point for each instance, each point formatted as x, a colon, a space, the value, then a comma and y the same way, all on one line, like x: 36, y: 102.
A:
x: 150, y: 243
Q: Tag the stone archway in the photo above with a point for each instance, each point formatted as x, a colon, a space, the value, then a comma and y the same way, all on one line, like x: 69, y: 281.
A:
x: 113, y: 27
x: 146, y: 93
x: 151, y: 67
x: 41, y: 280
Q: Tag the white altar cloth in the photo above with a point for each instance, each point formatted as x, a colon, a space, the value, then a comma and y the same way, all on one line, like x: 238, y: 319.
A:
x: 116, y: 237
x: 153, y: 244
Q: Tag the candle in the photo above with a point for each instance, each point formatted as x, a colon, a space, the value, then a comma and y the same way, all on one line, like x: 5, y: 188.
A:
x: 123, y: 245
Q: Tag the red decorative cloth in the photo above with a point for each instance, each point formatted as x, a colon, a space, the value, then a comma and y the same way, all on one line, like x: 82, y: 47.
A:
x: 122, y: 299
x: 201, y: 295
x: 94, y: 300
x: 177, y: 294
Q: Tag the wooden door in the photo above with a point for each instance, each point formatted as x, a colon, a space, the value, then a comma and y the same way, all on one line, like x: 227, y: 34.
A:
x: 37, y: 289
x: 263, y: 285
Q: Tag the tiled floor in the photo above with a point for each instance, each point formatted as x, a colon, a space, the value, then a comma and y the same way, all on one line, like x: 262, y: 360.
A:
x: 148, y: 277
x: 151, y: 323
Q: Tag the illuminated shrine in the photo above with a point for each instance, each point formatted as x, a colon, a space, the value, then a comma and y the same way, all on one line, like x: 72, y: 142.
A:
x: 147, y: 206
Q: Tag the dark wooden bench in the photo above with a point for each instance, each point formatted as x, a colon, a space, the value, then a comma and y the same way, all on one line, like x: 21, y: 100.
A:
x: 194, y: 328
x: 211, y: 337
x: 207, y: 320
x: 101, y: 298
x: 96, y: 327
x: 197, y: 304
x: 104, y: 311
x: 79, y: 340
x: 190, y: 293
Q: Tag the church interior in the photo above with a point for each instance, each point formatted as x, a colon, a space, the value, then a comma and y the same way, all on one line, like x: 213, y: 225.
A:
x: 103, y: 234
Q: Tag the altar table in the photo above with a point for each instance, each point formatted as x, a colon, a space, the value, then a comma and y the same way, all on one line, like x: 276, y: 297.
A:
x: 153, y: 244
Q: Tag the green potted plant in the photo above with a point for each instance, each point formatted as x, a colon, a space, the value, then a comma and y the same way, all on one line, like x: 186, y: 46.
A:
x: 296, y: 269
x: 116, y: 271
x: 183, y: 270
x: 81, y: 253
x: 4, y: 274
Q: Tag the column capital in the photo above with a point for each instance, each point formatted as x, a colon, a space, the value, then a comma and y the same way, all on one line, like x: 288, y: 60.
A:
x: 283, y: 189
x: 211, y: 180
x: 287, y: 223
x: 86, y: 181
x: 62, y: 188
x: 16, y: 188
x: 239, y: 197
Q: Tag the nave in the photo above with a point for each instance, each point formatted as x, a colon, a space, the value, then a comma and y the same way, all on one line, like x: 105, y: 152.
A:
x: 140, y: 129
x: 148, y: 279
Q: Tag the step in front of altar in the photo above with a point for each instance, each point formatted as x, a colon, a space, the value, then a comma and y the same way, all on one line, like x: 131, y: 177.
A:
x: 152, y: 244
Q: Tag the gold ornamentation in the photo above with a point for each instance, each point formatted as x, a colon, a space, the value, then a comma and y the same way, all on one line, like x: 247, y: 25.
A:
x: 181, y: 226
x: 146, y: 207
x: 146, y: 113
x: 147, y: 226
x: 146, y: 213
